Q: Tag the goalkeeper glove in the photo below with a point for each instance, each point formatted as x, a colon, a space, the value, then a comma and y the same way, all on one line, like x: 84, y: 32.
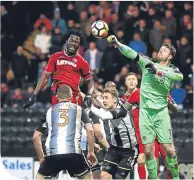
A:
x: 113, y: 40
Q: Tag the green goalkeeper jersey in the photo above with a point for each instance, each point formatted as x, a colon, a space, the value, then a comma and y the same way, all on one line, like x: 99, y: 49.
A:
x: 154, y: 89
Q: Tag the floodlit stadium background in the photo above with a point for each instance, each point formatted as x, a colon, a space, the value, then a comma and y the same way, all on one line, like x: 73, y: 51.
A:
x: 30, y: 34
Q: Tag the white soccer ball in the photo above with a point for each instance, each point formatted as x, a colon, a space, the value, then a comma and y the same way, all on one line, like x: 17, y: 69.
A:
x: 99, y: 29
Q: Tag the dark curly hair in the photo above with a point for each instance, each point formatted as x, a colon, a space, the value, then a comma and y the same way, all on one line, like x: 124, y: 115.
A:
x: 76, y: 32
x: 171, y: 48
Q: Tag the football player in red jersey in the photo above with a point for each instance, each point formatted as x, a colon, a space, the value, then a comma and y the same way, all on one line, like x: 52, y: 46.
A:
x: 132, y: 96
x: 66, y: 67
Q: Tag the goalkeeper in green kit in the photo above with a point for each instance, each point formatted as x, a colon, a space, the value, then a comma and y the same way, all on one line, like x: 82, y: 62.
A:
x: 154, y: 120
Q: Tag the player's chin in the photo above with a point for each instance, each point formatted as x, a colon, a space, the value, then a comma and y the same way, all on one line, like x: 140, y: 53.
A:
x: 72, y: 51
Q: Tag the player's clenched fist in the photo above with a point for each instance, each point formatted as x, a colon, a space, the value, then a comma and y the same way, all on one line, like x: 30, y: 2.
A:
x: 113, y: 40
x: 30, y: 101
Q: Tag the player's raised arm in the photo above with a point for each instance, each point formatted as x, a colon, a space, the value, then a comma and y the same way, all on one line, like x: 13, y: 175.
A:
x: 127, y: 51
x: 108, y: 115
x: 88, y: 79
x: 101, y: 113
x: 41, y: 83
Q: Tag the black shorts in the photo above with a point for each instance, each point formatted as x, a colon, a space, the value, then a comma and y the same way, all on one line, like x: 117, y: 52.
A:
x: 119, y: 161
x: 75, y: 164
x: 94, y: 167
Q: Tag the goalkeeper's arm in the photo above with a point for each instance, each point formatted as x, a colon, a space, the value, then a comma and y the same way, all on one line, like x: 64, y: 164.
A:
x: 128, y: 52
x: 125, y: 50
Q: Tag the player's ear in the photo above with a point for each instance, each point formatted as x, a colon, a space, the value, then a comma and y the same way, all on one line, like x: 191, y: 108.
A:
x: 170, y: 57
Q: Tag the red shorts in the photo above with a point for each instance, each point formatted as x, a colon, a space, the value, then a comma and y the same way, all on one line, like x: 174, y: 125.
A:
x: 76, y: 100
x: 158, y: 146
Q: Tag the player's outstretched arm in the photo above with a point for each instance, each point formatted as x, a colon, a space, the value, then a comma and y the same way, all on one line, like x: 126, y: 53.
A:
x: 101, y: 113
x: 41, y: 84
x: 129, y: 53
x: 125, y: 50
x: 90, y: 89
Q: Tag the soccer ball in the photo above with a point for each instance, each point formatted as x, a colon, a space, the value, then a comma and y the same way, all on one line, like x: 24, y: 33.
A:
x: 99, y: 29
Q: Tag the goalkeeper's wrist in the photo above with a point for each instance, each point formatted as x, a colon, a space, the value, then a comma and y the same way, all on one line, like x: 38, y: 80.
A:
x: 119, y: 44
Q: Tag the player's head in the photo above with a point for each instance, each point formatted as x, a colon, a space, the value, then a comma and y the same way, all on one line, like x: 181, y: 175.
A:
x: 131, y: 81
x: 73, y: 42
x: 64, y: 93
x: 110, y: 98
x: 97, y: 92
x: 110, y: 84
x: 166, y: 52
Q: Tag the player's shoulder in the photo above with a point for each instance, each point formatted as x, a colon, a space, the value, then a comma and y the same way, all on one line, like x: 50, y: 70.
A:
x: 135, y: 92
x: 57, y: 54
x: 144, y: 56
x: 121, y: 100
x: 80, y: 58
x: 175, y: 68
x: 74, y: 106
x: 121, y: 109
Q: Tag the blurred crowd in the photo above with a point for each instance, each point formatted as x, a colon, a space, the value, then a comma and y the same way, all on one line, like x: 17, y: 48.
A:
x: 32, y: 31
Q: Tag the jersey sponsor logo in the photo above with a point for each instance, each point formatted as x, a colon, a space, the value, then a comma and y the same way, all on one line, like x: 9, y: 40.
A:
x: 65, y: 62
x: 64, y: 117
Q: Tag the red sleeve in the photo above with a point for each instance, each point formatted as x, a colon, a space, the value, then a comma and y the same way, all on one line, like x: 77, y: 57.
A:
x: 85, y: 70
x: 50, y: 66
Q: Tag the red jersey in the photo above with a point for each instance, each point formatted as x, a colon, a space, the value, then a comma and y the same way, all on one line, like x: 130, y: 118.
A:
x: 68, y: 70
x: 134, y: 99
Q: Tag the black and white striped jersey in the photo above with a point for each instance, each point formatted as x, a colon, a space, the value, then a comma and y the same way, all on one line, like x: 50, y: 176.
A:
x: 121, y: 127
